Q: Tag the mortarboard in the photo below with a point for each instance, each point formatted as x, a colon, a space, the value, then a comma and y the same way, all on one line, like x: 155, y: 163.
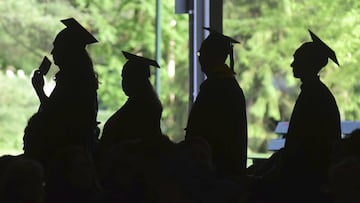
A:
x: 228, y: 43
x: 142, y: 67
x: 140, y: 59
x: 78, y: 33
x: 327, y: 51
x: 212, y: 31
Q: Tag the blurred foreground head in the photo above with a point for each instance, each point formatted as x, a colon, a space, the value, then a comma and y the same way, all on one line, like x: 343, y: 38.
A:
x: 22, y: 181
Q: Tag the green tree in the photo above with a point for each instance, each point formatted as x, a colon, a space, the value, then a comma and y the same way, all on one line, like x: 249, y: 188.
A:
x: 130, y: 26
x: 118, y: 25
x: 270, y: 32
x: 28, y: 28
x: 16, y: 106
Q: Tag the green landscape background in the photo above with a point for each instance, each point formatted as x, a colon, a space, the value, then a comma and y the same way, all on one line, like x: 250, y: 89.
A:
x: 269, y: 31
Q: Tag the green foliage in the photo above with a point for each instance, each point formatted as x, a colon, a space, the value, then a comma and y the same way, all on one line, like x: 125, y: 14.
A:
x: 269, y: 31
x: 130, y: 25
x: 28, y: 29
x: 18, y: 102
x: 118, y: 25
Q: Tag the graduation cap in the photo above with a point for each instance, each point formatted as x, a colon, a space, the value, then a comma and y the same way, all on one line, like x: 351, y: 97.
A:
x: 142, y: 61
x: 227, y: 43
x: 327, y: 51
x: 229, y: 39
x: 76, y: 33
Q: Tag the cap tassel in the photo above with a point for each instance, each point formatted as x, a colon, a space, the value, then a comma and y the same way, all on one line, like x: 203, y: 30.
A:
x: 232, y: 59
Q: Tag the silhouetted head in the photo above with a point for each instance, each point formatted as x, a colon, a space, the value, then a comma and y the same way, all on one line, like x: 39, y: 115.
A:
x: 72, y: 168
x: 70, y: 41
x: 136, y: 73
x: 122, y: 165
x: 344, y: 180
x: 214, y: 51
x: 201, y: 152
x: 351, y: 144
x: 22, y: 181
x: 311, y: 57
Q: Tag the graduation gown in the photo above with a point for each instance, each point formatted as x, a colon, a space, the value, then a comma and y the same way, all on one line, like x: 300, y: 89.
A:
x: 67, y: 118
x: 138, y: 119
x: 219, y: 116
x: 314, y: 127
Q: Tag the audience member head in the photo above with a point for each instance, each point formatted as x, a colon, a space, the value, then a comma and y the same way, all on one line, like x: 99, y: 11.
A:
x: 122, y: 166
x: 72, y: 171
x: 22, y: 181
x: 200, y: 151
x: 344, y: 181
x: 351, y: 144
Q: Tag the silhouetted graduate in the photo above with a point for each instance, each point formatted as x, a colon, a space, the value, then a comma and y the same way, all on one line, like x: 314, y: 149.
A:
x: 219, y: 112
x: 139, y: 118
x: 315, y: 122
x: 68, y: 115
